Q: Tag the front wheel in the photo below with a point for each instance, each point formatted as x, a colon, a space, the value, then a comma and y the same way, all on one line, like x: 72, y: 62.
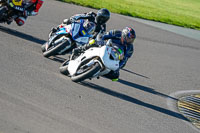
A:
x: 86, y: 73
x: 64, y: 68
x: 55, y: 49
x: 43, y: 47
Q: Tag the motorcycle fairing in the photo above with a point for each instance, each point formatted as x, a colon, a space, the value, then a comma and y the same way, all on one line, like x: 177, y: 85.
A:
x: 103, y: 53
x: 79, y: 34
x: 74, y: 64
x: 105, y: 56
x: 62, y: 31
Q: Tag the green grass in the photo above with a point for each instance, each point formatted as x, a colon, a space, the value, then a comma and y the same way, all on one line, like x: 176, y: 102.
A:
x: 185, y: 13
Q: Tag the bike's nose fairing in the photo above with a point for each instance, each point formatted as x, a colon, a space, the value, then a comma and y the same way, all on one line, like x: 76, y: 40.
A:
x: 108, y: 62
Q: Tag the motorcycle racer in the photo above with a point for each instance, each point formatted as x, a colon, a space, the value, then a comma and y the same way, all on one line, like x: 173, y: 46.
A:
x: 100, y: 19
x: 122, y: 40
x: 32, y: 10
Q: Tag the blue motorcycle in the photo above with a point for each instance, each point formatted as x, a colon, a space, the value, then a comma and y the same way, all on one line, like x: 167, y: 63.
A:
x: 68, y: 37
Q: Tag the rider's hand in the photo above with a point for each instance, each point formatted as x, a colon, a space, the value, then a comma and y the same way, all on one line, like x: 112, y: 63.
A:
x: 91, y: 14
x: 72, y: 20
x: 91, y: 42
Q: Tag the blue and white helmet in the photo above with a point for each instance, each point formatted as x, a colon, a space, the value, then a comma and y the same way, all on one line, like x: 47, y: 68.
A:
x: 128, y: 35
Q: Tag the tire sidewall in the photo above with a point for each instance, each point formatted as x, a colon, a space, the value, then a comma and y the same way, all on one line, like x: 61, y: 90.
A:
x: 55, y: 50
x: 88, y: 74
x: 64, y: 68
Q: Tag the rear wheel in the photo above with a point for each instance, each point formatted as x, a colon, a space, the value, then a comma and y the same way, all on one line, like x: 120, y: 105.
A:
x: 53, y: 50
x: 64, y: 68
x: 2, y: 12
x: 85, y: 73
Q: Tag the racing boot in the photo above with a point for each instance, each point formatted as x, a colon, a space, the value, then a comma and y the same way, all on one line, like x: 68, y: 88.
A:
x: 81, y: 49
x: 9, y: 20
x: 113, y: 75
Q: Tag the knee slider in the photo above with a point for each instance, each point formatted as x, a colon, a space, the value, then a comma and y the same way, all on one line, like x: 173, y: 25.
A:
x: 20, y: 21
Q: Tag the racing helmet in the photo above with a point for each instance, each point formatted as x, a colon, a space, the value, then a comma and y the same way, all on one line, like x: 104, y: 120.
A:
x: 103, y: 15
x: 128, y: 35
x: 89, y: 27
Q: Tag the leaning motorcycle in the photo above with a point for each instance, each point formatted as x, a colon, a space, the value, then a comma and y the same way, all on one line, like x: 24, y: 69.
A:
x: 94, y: 62
x: 65, y: 38
x: 11, y: 9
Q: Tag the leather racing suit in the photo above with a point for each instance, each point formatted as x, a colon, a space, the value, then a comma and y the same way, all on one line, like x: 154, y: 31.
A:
x: 115, y: 36
x: 30, y: 11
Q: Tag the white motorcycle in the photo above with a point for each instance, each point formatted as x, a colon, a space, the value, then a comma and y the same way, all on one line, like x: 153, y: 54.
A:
x: 94, y: 62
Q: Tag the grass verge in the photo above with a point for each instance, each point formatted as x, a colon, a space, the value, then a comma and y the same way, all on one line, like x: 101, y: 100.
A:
x: 185, y: 13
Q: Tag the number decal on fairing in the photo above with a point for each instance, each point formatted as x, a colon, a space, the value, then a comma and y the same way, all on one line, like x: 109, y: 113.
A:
x: 17, y: 2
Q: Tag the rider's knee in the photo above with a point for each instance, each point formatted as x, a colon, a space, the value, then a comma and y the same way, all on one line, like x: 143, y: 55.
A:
x: 20, y: 21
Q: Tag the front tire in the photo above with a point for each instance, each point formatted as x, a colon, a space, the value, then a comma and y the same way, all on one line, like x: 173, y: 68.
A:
x: 56, y: 49
x: 64, y: 68
x: 43, y: 47
x: 88, y: 74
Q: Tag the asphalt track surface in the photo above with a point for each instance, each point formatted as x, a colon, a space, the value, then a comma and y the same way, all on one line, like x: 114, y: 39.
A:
x: 36, y: 98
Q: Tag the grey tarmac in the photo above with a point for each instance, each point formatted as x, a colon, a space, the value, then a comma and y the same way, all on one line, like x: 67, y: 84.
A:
x: 36, y: 98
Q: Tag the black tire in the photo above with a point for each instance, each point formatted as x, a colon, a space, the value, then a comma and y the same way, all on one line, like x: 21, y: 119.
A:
x: 88, y: 74
x: 55, y: 50
x: 64, y: 68
x: 43, y: 47
x: 2, y: 10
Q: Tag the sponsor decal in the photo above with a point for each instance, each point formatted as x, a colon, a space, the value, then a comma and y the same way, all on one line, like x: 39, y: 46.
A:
x: 11, y: 4
x: 83, y: 32
x: 19, y: 8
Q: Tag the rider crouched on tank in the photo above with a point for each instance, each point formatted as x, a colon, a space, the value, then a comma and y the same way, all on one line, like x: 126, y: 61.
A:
x: 121, y: 40
x: 32, y: 10
x: 100, y: 19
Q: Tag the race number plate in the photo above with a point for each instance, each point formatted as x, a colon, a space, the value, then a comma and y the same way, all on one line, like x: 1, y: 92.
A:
x: 17, y: 2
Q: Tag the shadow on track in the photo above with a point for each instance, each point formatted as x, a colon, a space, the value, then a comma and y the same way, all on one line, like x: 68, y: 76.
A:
x: 133, y: 100
x: 135, y: 73
x: 144, y: 88
x: 57, y: 59
x: 22, y: 35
